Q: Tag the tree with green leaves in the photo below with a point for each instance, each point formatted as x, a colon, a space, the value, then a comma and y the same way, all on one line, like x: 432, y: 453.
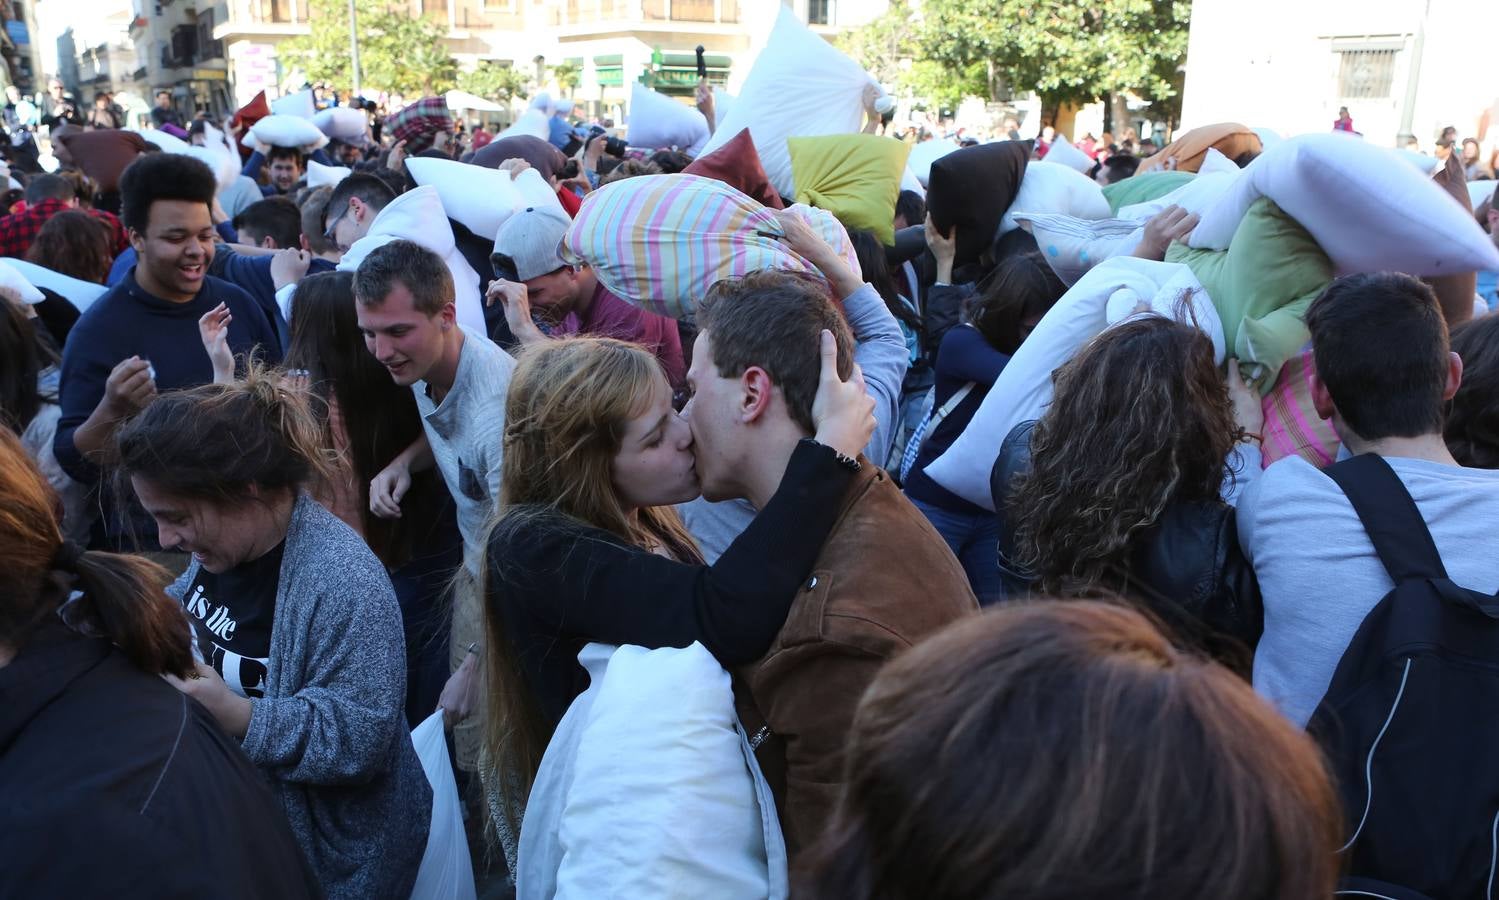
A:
x: 567, y: 75
x: 1067, y: 51
x: 397, y: 52
x: 495, y: 81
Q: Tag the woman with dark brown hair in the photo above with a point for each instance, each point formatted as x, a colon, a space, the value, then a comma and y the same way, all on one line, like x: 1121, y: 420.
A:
x: 99, y: 756
x: 1472, y: 429
x: 1067, y: 751
x: 1118, y: 486
x: 76, y: 244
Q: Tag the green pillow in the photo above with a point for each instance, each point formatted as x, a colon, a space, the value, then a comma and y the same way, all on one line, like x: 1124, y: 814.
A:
x: 1262, y: 285
x: 856, y: 177
x: 1141, y: 188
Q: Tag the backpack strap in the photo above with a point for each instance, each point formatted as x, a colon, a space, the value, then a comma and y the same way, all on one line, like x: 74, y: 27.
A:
x: 1390, y: 517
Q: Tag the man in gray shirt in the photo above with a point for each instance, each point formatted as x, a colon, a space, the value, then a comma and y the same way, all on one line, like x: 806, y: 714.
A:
x: 1383, y: 375
x: 460, y: 378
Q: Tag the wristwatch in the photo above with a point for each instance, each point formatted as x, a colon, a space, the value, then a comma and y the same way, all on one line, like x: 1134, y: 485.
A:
x: 844, y: 460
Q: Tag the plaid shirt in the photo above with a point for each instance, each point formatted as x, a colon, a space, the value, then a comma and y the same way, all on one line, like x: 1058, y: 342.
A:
x: 19, y: 230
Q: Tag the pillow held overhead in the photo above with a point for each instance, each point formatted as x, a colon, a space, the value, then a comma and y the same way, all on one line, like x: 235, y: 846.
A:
x: 286, y: 131
x: 342, y: 123
x: 971, y: 189
x: 1064, y: 154
x: 855, y: 177
x: 1051, y: 188
x: 800, y: 86
x: 319, y: 175
x: 737, y: 164
x: 1229, y: 138
x: 926, y: 153
x: 300, y: 105
x: 1368, y: 210
x: 661, y: 241
x: 1143, y: 188
x: 103, y: 155
x: 657, y: 121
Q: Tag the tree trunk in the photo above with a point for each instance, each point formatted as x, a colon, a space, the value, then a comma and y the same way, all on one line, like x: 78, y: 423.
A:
x: 1108, y: 112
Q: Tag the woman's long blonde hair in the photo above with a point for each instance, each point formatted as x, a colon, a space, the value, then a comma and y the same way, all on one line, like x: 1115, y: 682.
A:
x: 569, y: 404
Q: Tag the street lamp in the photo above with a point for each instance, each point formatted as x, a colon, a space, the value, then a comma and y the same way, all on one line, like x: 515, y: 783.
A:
x: 354, y: 45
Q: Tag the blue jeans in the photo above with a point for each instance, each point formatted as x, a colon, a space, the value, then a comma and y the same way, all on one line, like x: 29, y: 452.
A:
x: 974, y: 540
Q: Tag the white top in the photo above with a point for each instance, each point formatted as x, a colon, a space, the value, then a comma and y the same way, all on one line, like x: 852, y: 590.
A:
x: 467, y: 431
x: 1319, y: 574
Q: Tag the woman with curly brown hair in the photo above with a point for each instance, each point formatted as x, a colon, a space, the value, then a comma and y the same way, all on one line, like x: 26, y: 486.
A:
x: 1118, y: 486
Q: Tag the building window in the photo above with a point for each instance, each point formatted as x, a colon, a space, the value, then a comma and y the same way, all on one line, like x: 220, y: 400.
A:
x: 1366, y: 74
x: 819, y: 12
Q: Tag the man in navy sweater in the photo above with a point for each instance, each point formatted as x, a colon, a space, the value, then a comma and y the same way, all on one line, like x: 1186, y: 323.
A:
x: 142, y: 336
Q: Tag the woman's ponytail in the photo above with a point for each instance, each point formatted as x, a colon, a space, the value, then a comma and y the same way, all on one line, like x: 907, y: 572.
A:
x: 124, y: 600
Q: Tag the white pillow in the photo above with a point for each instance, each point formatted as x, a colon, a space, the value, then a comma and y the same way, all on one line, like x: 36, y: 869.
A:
x: 1368, y: 210
x: 167, y: 143
x: 285, y: 131
x: 927, y: 152
x: 723, y: 101
x: 657, y: 121
x: 1024, y: 388
x: 1217, y: 174
x: 342, y: 123
x: 1072, y: 246
x: 1049, y: 187
x: 909, y: 182
x: 319, y: 175
x: 300, y: 105
x: 532, y: 122
x: 800, y: 86
x: 649, y: 789
x: 76, y: 291
x: 11, y: 277
x: 1064, y: 154
x: 1479, y: 191
x: 482, y: 199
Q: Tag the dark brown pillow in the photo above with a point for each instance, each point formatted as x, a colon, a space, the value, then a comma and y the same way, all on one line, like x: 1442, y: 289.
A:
x: 737, y: 164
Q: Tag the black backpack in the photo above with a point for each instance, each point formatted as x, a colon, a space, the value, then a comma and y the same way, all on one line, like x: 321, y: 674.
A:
x: 1410, y: 723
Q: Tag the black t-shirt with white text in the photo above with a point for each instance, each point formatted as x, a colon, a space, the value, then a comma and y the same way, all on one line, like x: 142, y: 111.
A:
x: 232, y: 614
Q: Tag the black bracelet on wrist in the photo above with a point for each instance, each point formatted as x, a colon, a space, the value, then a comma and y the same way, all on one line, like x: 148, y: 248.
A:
x: 847, y: 462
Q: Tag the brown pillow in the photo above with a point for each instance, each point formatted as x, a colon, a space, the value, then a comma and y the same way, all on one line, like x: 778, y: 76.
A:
x: 542, y: 156
x: 971, y: 189
x: 1229, y: 138
x: 1455, y: 292
x: 737, y: 164
x: 103, y: 155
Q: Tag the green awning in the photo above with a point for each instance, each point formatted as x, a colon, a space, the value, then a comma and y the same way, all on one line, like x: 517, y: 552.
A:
x: 611, y: 59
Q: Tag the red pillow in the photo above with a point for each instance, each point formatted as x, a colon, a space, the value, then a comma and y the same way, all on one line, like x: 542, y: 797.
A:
x: 737, y: 164
x: 103, y: 155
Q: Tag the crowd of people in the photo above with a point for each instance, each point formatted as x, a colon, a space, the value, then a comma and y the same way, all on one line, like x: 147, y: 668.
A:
x: 331, y: 459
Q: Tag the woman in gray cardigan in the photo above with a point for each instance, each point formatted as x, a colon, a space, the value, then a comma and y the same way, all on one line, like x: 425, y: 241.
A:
x: 295, y: 622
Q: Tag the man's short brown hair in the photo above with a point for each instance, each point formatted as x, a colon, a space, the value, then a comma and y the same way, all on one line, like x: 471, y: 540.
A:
x: 423, y: 273
x: 773, y: 319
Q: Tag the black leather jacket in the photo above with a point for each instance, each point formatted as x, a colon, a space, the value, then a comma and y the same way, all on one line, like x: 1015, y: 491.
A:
x: 1187, y: 568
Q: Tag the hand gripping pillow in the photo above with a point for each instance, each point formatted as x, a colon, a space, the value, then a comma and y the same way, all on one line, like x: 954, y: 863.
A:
x: 738, y: 165
x: 342, y: 123
x: 1143, y: 188
x: 1262, y: 286
x: 856, y: 177
x: 1052, y: 188
x: 648, y: 788
x: 1072, y: 246
x: 1064, y: 154
x: 661, y: 241
x: 1229, y: 138
x: 800, y: 86
x: 1368, y: 210
x: 926, y: 153
x: 482, y: 199
x: 657, y: 121
x: 286, y: 131
x: 299, y: 105
x: 1106, y: 294
x: 970, y: 189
